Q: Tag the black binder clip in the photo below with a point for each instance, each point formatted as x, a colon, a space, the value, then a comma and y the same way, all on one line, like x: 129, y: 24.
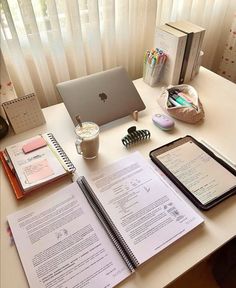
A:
x: 135, y: 136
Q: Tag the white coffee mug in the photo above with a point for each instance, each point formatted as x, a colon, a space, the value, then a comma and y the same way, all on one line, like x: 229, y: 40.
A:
x: 87, y: 142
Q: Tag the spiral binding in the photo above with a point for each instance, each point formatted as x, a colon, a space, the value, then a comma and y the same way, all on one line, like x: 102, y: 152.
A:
x: 61, y: 152
x: 120, y: 242
x: 28, y: 96
x: 135, y: 136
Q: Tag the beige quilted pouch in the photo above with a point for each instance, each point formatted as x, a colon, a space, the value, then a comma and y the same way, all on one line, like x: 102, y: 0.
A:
x: 191, y: 114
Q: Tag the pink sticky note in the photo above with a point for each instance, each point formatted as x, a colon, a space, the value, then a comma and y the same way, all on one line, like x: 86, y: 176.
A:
x: 38, y: 171
x: 34, y: 145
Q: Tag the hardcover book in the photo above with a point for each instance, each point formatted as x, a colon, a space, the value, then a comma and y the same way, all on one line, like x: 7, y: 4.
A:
x: 195, y: 36
x: 173, y: 43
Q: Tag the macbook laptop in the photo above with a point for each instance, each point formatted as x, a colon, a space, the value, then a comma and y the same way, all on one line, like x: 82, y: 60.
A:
x: 101, y: 97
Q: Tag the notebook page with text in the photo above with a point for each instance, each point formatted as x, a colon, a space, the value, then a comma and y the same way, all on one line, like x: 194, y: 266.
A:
x: 146, y: 211
x: 39, y: 166
x: 61, y: 243
x: 205, y: 178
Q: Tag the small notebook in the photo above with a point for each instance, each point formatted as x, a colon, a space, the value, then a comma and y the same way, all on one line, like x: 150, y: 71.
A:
x: 35, y: 162
x: 24, y: 113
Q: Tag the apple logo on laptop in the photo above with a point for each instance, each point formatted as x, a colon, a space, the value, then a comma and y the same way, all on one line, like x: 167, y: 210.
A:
x: 103, y: 97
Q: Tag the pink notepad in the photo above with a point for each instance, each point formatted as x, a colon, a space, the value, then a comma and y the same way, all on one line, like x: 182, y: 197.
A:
x: 38, y: 171
x: 34, y: 145
x: 38, y: 161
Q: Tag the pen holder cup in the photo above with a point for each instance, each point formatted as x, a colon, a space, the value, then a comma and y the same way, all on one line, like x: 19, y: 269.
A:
x: 154, y: 60
x: 152, y: 75
x: 192, y: 112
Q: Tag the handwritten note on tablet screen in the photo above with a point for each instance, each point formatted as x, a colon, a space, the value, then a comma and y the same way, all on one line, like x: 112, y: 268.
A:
x: 201, y: 174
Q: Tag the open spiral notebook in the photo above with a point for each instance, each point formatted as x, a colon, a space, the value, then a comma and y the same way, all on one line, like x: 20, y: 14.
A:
x: 35, y: 162
x: 95, y: 232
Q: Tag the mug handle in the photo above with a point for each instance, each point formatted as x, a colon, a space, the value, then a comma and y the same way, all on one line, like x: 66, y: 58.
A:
x: 77, y: 145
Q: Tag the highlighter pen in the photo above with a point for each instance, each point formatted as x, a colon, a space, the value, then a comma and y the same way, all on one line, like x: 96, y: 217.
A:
x: 180, y: 100
x: 188, y: 99
x: 183, y: 95
x: 172, y: 101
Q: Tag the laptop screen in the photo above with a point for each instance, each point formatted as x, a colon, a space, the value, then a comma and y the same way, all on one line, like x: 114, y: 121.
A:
x: 101, y: 97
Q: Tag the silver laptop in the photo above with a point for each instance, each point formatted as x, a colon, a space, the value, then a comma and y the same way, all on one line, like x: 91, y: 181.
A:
x: 101, y: 97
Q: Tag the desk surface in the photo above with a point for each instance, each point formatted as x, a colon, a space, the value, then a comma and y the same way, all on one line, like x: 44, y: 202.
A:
x: 218, y: 128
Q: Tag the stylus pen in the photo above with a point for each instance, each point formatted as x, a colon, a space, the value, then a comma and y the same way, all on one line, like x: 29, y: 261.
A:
x: 219, y: 154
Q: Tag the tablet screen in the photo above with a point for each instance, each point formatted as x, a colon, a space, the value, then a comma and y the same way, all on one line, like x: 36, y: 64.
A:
x: 201, y: 174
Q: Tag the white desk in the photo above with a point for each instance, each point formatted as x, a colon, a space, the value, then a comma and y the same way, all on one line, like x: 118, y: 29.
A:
x: 219, y: 128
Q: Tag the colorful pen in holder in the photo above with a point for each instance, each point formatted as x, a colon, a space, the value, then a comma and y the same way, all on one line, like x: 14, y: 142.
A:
x: 154, y: 61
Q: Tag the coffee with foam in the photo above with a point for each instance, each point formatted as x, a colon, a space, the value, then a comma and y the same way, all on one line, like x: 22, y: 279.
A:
x: 87, y: 143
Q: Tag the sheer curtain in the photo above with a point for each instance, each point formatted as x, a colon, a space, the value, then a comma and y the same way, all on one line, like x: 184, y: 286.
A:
x: 45, y: 42
x: 49, y: 41
x: 210, y: 14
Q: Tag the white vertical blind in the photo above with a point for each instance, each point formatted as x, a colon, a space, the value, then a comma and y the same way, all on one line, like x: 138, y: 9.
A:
x: 49, y: 41
x: 209, y: 14
x: 45, y: 42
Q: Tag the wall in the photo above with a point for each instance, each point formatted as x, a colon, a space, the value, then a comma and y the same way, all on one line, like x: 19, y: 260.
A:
x: 224, y: 35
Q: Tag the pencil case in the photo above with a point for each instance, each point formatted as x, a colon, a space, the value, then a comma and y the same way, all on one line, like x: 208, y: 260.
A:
x: 190, y: 110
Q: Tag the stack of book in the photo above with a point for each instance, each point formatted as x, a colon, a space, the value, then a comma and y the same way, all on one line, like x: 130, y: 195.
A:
x: 182, y: 42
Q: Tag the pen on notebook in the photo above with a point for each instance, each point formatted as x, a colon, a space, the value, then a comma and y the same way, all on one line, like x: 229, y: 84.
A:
x: 228, y: 161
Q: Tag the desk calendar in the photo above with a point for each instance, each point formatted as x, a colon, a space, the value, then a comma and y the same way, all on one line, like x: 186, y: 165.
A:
x: 24, y: 113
